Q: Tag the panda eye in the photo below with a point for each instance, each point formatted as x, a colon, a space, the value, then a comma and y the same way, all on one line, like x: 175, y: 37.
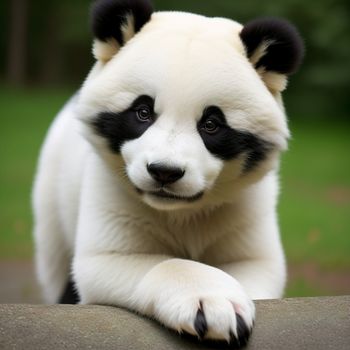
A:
x: 213, y: 120
x: 144, y: 113
x: 211, y: 126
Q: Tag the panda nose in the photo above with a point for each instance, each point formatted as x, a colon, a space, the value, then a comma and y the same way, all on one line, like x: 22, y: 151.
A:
x: 165, y: 174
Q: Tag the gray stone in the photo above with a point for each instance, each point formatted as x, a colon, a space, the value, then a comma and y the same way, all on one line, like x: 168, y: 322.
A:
x: 306, y: 323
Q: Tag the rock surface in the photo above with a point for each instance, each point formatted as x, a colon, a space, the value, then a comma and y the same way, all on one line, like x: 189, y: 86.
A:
x: 306, y: 323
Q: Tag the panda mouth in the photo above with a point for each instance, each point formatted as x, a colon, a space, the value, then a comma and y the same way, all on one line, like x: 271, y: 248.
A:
x: 173, y: 197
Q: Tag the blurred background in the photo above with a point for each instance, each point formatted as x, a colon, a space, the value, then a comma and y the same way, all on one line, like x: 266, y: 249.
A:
x: 45, y: 53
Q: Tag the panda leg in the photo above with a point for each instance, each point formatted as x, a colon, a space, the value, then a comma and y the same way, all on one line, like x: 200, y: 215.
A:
x: 52, y: 258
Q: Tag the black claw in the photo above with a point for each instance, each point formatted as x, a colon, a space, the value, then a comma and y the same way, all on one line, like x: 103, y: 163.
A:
x: 200, y: 323
x: 243, y: 332
x: 234, y: 342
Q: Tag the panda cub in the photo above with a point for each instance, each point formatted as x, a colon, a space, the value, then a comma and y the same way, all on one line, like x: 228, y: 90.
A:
x: 157, y: 184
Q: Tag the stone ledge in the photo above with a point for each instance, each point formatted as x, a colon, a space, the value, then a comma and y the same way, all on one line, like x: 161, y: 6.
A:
x: 305, y: 323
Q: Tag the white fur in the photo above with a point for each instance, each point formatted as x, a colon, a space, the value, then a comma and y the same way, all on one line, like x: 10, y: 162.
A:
x: 159, y: 258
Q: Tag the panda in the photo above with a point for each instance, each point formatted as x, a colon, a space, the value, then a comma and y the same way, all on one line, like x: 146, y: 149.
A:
x: 157, y: 184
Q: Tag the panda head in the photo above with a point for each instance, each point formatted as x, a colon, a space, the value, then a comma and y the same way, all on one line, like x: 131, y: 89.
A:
x: 187, y: 106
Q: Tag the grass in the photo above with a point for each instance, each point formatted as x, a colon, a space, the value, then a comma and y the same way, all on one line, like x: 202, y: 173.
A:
x: 24, y: 119
x: 315, y: 201
x: 315, y: 180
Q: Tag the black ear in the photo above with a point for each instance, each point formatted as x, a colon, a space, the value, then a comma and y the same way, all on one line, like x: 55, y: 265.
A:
x: 114, y: 22
x: 273, y: 45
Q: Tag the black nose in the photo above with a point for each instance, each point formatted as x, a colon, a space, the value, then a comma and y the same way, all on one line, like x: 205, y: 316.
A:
x: 165, y: 174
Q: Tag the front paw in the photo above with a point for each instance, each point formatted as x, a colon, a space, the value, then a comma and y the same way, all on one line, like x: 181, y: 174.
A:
x: 210, y: 317
x: 223, y: 320
x: 197, y: 299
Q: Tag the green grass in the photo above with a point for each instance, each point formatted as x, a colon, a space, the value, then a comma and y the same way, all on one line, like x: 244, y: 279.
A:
x: 24, y: 119
x: 315, y: 181
x: 315, y: 201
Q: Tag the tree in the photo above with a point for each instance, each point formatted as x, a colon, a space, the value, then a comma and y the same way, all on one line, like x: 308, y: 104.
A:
x: 17, y: 42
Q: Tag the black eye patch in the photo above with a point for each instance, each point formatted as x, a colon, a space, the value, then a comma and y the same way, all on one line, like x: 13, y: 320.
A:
x: 127, y: 125
x: 227, y: 143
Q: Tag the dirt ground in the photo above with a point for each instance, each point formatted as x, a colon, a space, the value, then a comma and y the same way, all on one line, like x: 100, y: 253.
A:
x: 330, y: 282
x: 18, y: 283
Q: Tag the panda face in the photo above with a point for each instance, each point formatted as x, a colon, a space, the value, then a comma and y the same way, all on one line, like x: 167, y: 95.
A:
x: 185, y: 110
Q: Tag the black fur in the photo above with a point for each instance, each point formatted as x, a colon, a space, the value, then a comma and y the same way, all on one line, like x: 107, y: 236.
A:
x: 227, y: 143
x: 200, y: 323
x: 108, y: 16
x: 70, y: 294
x: 257, y: 151
x: 243, y: 331
x: 286, y: 50
x: 120, y: 127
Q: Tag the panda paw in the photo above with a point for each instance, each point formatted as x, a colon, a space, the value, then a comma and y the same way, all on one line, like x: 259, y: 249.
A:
x: 197, y: 299
x: 210, y: 317
x: 221, y: 320
x: 237, y: 335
